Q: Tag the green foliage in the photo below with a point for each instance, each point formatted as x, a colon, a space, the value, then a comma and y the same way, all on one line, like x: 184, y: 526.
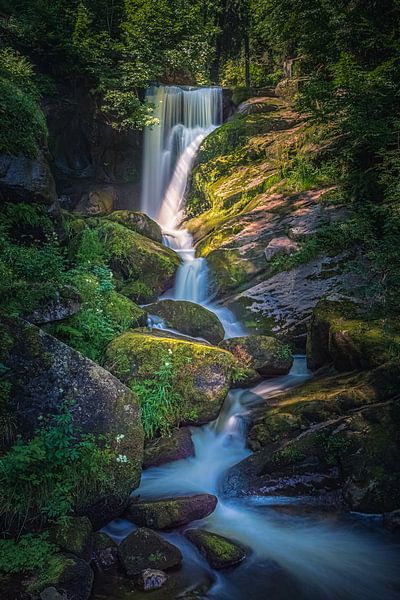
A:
x: 31, y: 552
x: 58, y: 469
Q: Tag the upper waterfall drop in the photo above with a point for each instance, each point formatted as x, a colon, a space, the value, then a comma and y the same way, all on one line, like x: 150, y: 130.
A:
x: 185, y: 116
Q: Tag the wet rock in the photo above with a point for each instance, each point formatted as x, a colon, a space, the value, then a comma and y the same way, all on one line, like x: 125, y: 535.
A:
x: 98, y: 201
x: 139, y: 222
x: 105, y: 551
x: 189, y: 318
x: 200, y: 373
x: 44, y: 373
x: 219, y: 551
x: 280, y: 245
x: 266, y: 355
x: 145, y: 549
x: 65, y: 303
x: 152, y: 579
x: 71, y: 578
x: 26, y: 179
x: 76, y: 537
x: 167, y: 449
x: 170, y: 513
x: 392, y: 521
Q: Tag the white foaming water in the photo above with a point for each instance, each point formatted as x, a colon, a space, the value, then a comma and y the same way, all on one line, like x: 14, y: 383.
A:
x: 186, y: 117
x: 323, y: 557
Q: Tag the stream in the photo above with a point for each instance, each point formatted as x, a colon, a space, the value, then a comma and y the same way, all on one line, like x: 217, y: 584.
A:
x: 295, y: 551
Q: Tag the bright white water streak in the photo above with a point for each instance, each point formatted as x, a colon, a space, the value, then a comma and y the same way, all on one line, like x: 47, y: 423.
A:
x: 292, y: 556
x: 186, y: 117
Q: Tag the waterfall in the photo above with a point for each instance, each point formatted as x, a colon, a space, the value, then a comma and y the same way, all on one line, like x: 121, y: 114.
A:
x: 185, y: 118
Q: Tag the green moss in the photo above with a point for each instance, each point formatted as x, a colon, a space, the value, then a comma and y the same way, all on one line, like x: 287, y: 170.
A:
x: 51, y: 574
x: 74, y: 536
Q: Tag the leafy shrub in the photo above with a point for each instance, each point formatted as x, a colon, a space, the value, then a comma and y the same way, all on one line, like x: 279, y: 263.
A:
x: 31, y: 552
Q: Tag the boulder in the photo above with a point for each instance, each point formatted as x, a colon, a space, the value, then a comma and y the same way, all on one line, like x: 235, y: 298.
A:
x: 151, y: 579
x: 139, y: 222
x: 44, y: 373
x: 64, y: 303
x: 266, y: 355
x: 166, y: 449
x: 100, y: 200
x: 170, y: 513
x: 26, y: 179
x: 145, y: 549
x: 392, y: 520
x: 70, y: 577
x: 280, y: 245
x: 219, y: 551
x: 105, y: 551
x: 189, y: 318
x: 75, y: 537
x: 200, y: 373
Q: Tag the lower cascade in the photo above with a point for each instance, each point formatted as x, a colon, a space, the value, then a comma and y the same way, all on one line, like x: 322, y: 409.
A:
x: 294, y: 551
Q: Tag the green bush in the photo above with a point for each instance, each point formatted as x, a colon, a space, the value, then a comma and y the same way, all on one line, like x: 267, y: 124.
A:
x: 31, y: 552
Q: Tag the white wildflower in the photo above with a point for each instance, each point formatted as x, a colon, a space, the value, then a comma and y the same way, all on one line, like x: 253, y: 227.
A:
x: 169, y: 351
x: 122, y: 458
x: 120, y: 437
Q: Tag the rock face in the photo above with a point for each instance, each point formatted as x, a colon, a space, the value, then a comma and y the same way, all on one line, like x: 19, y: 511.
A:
x: 170, y: 513
x: 266, y: 355
x: 145, y: 549
x: 189, y: 318
x: 139, y: 222
x: 65, y: 303
x: 280, y: 245
x: 44, y: 373
x: 167, y: 449
x: 26, y: 179
x: 98, y: 201
x: 219, y: 551
x: 200, y: 373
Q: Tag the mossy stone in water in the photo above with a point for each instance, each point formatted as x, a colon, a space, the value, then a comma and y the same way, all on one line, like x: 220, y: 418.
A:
x: 75, y: 537
x: 267, y: 355
x: 66, y: 574
x: 189, y: 318
x: 219, y: 551
x: 139, y: 222
x: 145, y: 549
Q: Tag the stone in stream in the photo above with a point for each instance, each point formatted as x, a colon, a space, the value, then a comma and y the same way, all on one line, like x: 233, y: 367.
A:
x: 152, y: 579
x: 76, y: 537
x: 170, y: 513
x: 105, y: 551
x: 145, y: 549
x: 219, y: 551
x: 189, y: 318
x: 167, y: 449
x: 64, y: 577
x: 266, y: 355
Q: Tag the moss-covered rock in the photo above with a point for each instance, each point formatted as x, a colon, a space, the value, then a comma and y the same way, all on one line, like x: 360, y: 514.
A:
x: 170, y: 513
x: 200, y: 375
x: 145, y: 549
x: 99, y: 200
x: 75, y: 537
x: 219, y: 551
x: 139, y: 222
x: 57, y: 306
x: 189, y: 318
x: 68, y: 575
x: 105, y: 551
x: 166, y: 449
x: 266, y: 355
x: 341, y: 333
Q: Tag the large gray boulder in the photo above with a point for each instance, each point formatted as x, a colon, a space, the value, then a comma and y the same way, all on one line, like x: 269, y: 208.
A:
x: 26, y: 179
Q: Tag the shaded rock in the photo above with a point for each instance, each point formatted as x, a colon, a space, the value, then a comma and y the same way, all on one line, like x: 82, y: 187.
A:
x: 167, y: 449
x: 219, y: 551
x: 280, y: 245
x: 189, y: 318
x: 288, y: 88
x: 71, y: 578
x: 170, y: 513
x: 75, y: 537
x: 51, y: 593
x: 26, y: 179
x: 139, y: 222
x: 65, y: 303
x: 98, y: 201
x: 200, y: 373
x: 267, y: 355
x: 392, y: 521
x: 145, y: 549
x: 152, y: 579
x: 105, y: 551
x: 44, y: 373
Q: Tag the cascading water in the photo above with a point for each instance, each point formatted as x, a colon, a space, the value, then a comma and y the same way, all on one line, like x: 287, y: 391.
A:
x: 185, y: 118
x: 292, y: 556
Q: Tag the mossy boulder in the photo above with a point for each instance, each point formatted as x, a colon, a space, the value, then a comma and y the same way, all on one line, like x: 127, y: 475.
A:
x: 71, y: 577
x: 201, y: 374
x: 166, y: 449
x: 219, y: 551
x: 99, y: 200
x: 266, y: 355
x: 189, y: 318
x: 105, y: 551
x: 340, y: 332
x: 145, y: 549
x: 139, y: 222
x: 56, y: 306
x: 43, y: 374
x: 75, y: 537
x: 170, y: 513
